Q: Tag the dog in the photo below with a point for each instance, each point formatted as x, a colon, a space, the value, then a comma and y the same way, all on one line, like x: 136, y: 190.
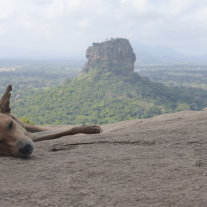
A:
x: 17, y: 138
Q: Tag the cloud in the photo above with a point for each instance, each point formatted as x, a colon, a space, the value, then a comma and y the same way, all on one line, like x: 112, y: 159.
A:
x: 67, y: 27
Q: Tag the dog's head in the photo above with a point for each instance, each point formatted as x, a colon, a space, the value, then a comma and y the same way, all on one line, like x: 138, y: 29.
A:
x: 13, y: 138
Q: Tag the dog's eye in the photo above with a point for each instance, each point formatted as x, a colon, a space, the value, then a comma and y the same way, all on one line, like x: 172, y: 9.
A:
x: 10, y: 125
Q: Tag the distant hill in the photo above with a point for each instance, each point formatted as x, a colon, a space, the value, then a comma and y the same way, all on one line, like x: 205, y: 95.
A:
x: 163, y: 55
x: 107, y: 90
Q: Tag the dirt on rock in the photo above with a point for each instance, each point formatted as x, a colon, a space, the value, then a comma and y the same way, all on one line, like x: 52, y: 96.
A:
x: 161, y: 161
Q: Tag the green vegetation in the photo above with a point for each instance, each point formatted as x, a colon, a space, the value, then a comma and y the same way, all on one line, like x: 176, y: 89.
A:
x: 26, y: 120
x: 176, y: 75
x: 35, y: 74
x: 103, y: 98
x: 43, y: 94
x: 182, y: 107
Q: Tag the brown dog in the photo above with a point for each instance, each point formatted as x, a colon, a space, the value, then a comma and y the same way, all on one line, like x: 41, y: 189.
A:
x: 16, y: 138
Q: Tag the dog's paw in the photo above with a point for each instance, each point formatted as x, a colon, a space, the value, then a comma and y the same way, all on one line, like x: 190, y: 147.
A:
x: 92, y: 129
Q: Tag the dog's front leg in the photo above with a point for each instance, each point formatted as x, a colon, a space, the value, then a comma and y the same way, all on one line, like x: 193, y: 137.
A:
x: 47, y: 135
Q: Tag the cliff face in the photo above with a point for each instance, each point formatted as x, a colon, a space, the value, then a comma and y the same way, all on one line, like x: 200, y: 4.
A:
x: 115, y: 55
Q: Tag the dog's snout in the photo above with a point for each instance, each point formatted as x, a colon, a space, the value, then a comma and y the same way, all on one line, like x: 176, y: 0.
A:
x: 27, y: 149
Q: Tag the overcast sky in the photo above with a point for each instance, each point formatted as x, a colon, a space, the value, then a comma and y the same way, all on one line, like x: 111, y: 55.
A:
x: 65, y: 28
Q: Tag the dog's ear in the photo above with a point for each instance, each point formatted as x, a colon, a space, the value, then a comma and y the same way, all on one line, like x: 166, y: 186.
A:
x: 5, y: 100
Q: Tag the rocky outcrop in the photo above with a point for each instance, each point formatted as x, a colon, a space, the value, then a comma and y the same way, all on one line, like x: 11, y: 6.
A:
x: 159, y: 161
x: 115, y: 55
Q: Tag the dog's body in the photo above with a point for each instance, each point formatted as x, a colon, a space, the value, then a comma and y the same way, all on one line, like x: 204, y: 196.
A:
x: 16, y: 138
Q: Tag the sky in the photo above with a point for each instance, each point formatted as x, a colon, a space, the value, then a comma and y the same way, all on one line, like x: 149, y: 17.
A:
x: 65, y: 28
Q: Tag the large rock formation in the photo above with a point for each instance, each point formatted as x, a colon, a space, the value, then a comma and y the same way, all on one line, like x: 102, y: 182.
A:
x: 115, y: 55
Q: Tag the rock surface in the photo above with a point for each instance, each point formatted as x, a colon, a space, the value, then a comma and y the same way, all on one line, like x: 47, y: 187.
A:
x: 161, y: 161
x: 115, y: 55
